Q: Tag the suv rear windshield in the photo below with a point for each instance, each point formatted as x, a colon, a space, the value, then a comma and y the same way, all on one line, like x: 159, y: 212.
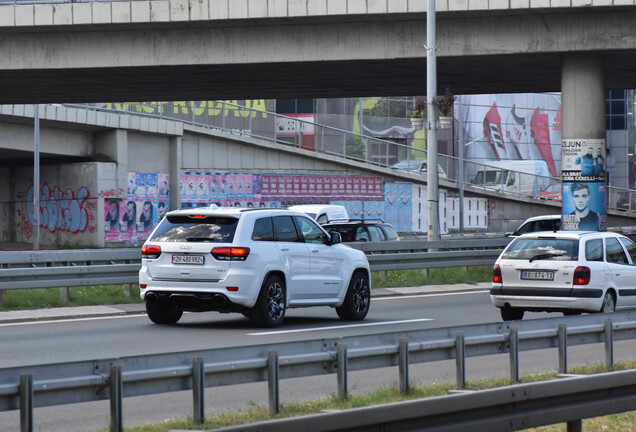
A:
x: 543, y: 249
x: 182, y: 228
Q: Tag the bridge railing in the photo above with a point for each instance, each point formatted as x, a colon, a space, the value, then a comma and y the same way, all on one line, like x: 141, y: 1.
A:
x: 330, y: 140
x: 114, y: 379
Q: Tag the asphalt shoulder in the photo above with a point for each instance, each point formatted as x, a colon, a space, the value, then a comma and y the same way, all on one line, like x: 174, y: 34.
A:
x: 89, y: 312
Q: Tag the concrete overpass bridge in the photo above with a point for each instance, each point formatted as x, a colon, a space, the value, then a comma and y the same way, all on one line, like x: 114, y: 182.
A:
x: 247, y: 49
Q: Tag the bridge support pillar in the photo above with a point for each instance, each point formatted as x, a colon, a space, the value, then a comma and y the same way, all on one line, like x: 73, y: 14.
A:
x: 583, y: 149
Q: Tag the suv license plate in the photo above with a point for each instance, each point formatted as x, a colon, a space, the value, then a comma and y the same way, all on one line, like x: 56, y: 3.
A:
x: 187, y: 259
x: 537, y: 275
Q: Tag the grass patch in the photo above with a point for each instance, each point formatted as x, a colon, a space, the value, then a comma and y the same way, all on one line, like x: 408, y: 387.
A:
x: 613, y: 423
x: 436, y: 276
x: 78, y: 296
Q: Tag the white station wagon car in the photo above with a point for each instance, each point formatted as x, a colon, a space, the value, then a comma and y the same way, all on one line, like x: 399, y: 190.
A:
x: 258, y: 262
x: 565, y: 271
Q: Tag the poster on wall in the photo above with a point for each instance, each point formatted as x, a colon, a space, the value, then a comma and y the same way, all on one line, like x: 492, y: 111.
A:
x: 583, y: 160
x: 512, y: 127
x: 112, y: 207
x: 584, y: 206
x: 132, y: 219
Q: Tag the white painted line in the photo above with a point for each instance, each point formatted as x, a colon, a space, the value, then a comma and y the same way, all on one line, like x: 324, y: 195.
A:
x: 401, y: 297
x: 67, y: 320
x: 338, y: 327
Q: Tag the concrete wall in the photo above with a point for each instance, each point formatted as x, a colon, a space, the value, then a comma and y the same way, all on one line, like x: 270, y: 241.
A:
x: 53, y: 140
x: 74, y: 194
x: 226, y: 152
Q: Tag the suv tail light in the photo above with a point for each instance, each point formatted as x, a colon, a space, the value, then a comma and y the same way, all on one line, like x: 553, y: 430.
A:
x: 230, y: 253
x: 581, y: 276
x: 496, y: 274
x: 150, y: 251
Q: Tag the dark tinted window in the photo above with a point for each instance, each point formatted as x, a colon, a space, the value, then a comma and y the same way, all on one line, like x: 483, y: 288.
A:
x: 348, y: 232
x: 284, y: 229
x: 631, y: 248
x: 362, y: 234
x: 615, y: 252
x: 539, y: 225
x: 390, y: 232
x: 310, y: 231
x: 594, y: 250
x: 201, y: 229
x: 376, y: 233
x: 263, y: 230
x: 526, y: 228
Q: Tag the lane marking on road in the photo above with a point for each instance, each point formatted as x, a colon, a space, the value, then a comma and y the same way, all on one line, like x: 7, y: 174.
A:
x: 338, y: 327
x: 67, y: 320
x: 402, y: 297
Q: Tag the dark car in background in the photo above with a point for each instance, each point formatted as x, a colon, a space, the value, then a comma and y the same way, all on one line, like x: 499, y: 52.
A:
x: 360, y: 230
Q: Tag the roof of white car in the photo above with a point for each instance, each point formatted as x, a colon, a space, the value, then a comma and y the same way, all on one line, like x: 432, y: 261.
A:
x: 235, y: 211
x: 543, y: 217
x: 568, y: 234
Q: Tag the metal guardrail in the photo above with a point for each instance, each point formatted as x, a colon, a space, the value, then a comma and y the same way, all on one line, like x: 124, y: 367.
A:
x: 503, y: 409
x: 114, y: 379
x: 80, y: 267
x: 76, y: 267
x: 67, y: 268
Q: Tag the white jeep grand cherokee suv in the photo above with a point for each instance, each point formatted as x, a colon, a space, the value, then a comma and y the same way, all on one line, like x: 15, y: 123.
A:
x: 258, y: 262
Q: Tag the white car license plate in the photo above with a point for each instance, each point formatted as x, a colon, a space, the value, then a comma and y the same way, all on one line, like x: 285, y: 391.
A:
x: 187, y: 259
x: 537, y: 275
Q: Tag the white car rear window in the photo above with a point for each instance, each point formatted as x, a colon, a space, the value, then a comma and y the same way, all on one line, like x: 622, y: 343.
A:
x: 543, y: 249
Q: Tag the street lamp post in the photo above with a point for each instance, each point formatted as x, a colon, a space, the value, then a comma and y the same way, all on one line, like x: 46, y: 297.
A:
x: 432, y: 119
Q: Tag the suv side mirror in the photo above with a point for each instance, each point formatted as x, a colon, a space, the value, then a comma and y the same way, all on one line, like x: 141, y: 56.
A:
x: 335, y: 237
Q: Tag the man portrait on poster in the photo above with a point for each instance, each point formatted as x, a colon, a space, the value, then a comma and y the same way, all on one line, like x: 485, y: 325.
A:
x: 588, y: 220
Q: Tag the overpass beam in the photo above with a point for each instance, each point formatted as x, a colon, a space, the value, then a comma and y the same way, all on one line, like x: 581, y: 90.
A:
x: 583, y: 141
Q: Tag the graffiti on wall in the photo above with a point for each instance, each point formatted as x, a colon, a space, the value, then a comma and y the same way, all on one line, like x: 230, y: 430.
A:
x: 61, y: 210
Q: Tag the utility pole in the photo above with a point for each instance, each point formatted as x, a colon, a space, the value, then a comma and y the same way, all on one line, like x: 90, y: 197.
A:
x: 432, y: 117
x: 36, y: 180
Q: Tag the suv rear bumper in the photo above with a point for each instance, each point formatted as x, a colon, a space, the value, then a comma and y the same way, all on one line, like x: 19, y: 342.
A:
x: 194, y: 301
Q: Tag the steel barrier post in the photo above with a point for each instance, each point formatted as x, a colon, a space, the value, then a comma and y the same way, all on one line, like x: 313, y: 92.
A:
x: 116, y: 390
x: 609, y: 343
x: 575, y: 426
x: 514, y: 354
x: 272, y: 382
x: 26, y: 403
x: 563, y: 349
x: 460, y: 361
x: 403, y: 361
x: 198, y: 390
x: 343, y: 366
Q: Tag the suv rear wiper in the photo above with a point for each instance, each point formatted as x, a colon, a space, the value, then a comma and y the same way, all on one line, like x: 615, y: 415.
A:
x: 545, y: 255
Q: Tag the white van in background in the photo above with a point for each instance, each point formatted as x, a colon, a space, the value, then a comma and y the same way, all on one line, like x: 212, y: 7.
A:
x: 521, y: 177
x: 323, y: 213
